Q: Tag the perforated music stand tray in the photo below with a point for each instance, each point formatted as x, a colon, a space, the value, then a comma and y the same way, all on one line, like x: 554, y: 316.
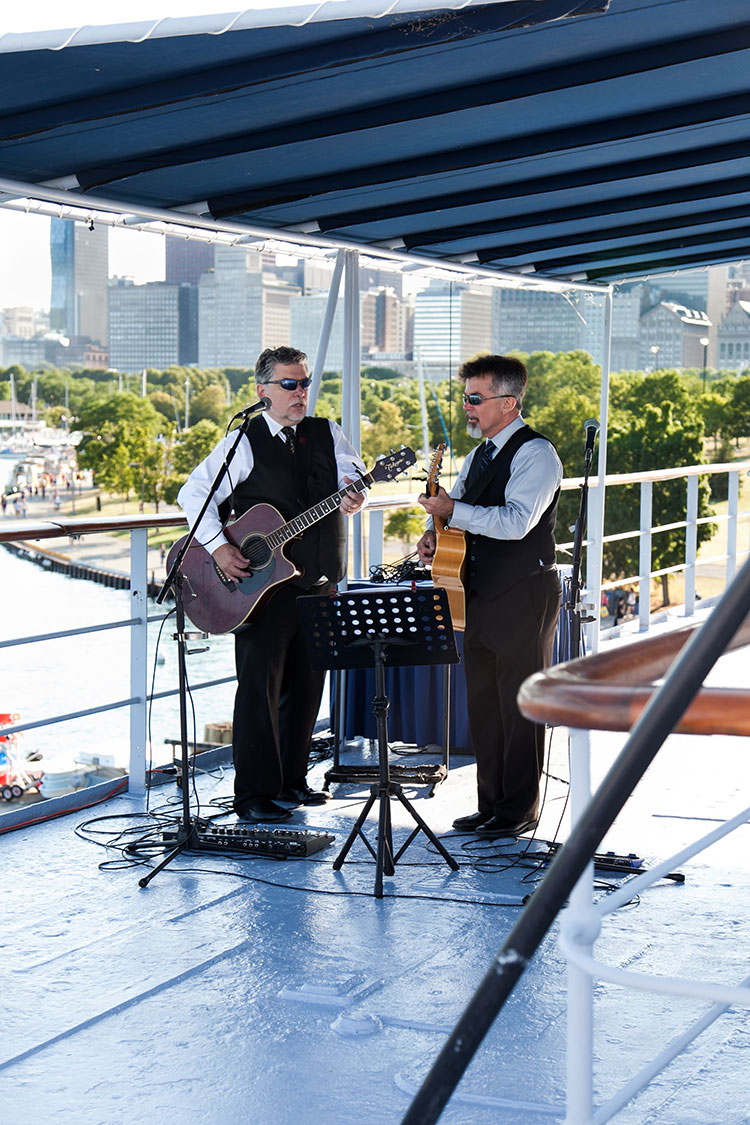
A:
x: 367, y: 629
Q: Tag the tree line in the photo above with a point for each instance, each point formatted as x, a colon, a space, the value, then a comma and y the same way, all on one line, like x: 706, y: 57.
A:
x: 656, y: 419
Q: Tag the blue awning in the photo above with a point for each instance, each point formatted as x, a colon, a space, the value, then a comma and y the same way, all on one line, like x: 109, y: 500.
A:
x: 604, y: 142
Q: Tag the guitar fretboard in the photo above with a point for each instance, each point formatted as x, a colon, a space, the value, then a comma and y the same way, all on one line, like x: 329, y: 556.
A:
x: 317, y: 512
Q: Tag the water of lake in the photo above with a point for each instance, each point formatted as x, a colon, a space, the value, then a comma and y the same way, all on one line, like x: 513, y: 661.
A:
x: 71, y: 674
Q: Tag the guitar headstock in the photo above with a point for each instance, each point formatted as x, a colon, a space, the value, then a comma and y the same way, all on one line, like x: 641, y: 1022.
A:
x: 434, y: 470
x: 389, y: 467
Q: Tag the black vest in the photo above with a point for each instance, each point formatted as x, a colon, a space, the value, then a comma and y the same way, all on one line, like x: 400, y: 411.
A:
x: 294, y: 484
x: 494, y: 565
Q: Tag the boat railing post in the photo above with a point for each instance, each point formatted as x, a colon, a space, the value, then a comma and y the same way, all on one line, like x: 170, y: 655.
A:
x: 644, y: 556
x: 691, y: 544
x: 581, y: 923
x: 138, y: 657
x: 733, y: 510
x: 375, y: 538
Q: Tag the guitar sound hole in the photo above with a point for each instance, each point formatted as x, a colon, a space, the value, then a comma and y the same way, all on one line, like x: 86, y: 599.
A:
x: 256, y: 551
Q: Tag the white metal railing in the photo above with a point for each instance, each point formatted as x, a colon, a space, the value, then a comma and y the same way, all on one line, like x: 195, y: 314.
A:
x: 581, y: 924
x: 371, y: 535
x: 736, y: 516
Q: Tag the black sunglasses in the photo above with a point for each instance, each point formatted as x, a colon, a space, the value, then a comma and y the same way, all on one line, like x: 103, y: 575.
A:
x: 292, y: 384
x: 474, y: 400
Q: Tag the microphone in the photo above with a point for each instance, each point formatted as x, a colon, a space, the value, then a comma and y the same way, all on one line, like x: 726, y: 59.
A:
x: 261, y: 404
x: 591, y: 426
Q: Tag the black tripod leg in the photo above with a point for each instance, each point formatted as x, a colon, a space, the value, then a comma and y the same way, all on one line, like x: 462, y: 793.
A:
x: 144, y: 882
x: 426, y: 829
x: 384, y: 858
x: 338, y: 861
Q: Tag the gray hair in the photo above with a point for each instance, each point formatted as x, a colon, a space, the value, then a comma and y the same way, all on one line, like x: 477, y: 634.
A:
x: 508, y: 374
x: 268, y: 359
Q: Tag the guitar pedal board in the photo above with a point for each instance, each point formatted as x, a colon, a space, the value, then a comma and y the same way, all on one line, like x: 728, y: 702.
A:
x: 277, y: 843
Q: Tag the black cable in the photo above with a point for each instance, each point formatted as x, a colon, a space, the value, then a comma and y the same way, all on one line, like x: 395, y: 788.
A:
x: 403, y: 570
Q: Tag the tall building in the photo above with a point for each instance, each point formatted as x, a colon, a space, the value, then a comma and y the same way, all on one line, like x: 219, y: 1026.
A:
x: 368, y: 338
x: 80, y: 269
x: 306, y: 313
x: 393, y: 323
x: 626, y: 328
x: 670, y: 337
x: 683, y: 287
x: 733, y: 338
x: 24, y: 322
x: 186, y: 259
x: 152, y: 325
x: 241, y: 310
x: 451, y: 322
x: 532, y: 320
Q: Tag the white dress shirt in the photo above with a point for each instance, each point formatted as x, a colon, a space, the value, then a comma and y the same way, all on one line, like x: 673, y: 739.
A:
x: 535, y: 475
x: 192, y: 495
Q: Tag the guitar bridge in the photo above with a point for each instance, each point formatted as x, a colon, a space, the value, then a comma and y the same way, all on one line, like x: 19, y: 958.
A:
x: 224, y: 578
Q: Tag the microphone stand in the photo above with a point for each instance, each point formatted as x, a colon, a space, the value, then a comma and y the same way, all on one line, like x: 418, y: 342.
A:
x: 187, y: 834
x: 573, y: 606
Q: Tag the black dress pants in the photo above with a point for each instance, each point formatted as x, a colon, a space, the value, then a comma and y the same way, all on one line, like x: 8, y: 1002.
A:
x: 507, y: 639
x: 277, y: 701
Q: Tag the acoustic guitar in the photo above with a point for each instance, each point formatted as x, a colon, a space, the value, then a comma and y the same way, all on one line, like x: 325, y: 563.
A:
x: 449, y: 560
x: 217, y: 603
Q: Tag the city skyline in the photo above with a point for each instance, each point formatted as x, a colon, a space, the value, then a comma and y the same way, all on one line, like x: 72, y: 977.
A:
x: 24, y: 238
x: 25, y: 255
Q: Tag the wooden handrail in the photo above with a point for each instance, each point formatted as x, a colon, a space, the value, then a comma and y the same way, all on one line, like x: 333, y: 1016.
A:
x: 609, y: 690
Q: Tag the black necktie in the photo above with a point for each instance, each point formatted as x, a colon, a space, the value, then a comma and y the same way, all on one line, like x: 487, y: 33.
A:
x: 288, y: 432
x: 488, y: 452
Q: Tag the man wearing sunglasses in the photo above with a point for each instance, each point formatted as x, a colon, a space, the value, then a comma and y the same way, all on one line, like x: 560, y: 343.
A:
x: 505, y: 500
x: 293, y: 462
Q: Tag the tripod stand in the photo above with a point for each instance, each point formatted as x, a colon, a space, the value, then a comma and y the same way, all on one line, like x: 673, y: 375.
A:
x: 403, y: 627
x: 187, y: 833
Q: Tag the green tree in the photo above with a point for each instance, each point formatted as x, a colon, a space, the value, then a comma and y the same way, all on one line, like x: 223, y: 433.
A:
x: 191, y: 446
x: 406, y: 524
x: 561, y: 420
x: 165, y: 403
x: 716, y: 413
x: 549, y: 374
x: 189, y: 449
x: 211, y: 403
x: 650, y: 438
x: 386, y: 431
x: 118, y: 433
x: 738, y: 424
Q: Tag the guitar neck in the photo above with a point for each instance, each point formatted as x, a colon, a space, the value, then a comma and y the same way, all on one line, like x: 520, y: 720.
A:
x: 324, y: 508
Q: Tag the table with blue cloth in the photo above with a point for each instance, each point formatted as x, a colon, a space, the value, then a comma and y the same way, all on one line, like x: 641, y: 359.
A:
x: 415, y: 695
x: 415, y: 715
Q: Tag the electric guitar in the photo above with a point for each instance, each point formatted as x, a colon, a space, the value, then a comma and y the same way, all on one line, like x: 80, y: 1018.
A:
x: 449, y: 560
x: 217, y: 603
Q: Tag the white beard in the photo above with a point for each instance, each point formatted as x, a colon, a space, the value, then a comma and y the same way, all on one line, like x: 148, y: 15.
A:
x: 473, y: 430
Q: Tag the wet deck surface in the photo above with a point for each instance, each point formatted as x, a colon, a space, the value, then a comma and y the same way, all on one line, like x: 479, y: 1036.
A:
x: 275, y: 992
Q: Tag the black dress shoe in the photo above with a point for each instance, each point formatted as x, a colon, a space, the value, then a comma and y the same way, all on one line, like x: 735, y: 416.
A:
x: 262, y: 810
x: 501, y: 826
x: 469, y: 823
x: 304, y: 795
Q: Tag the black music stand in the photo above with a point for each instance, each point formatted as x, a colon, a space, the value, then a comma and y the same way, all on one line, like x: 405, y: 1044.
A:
x: 359, y: 630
